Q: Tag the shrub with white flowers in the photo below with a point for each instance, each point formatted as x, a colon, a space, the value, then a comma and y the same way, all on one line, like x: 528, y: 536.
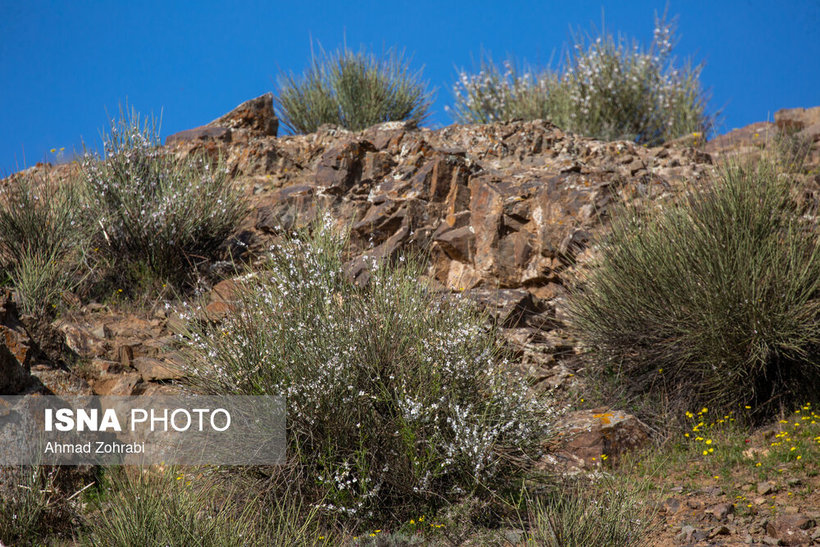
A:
x: 154, y: 209
x: 396, y: 396
x: 607, y: 88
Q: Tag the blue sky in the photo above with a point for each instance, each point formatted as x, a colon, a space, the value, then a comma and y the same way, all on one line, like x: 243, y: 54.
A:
x: 64, y: 64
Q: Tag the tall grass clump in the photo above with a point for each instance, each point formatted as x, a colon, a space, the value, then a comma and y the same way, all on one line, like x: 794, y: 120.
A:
x: 397, y: 398
x: 353, y: 90
x: 576, y: 517
x: 168, y: 508
x: 31, y: 507
x: 157, y: 212
x: 44, y: 236
x: 605, y: 88
x: 713, y: 302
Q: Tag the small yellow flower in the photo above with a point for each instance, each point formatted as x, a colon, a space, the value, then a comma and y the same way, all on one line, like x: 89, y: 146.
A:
x: 708, y: 441
x: 53, y: 150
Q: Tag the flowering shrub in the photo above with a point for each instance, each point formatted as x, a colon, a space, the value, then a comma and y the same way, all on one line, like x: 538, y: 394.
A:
x: 44, y: 233
x: 711, y: 303
x: 352, y: 90
x: 606, y: 89
x: 395, y: 396
x: 155, y: 210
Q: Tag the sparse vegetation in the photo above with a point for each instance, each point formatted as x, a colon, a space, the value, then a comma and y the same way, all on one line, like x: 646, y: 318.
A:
x: 352, y: 90
x: 711, y: 302
x: 606, y: 88
x: 396, y: 398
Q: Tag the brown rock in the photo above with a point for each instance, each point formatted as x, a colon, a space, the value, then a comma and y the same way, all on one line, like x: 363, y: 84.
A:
x: 16, y: 349
x: 255, y: 115
x: 721, y: 510
x: 341, y: 167
x: 116, y: 384
x: 765, y: 488
x: 200, y: 133
x: 797, y: 119
x: 600, y: 432
x: 61, y: 382
x: 153, y: 370
x: 508, y: 307
x: 791, y: 529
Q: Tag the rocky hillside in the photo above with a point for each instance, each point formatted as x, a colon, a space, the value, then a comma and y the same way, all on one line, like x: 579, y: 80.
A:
x: 509, y: 213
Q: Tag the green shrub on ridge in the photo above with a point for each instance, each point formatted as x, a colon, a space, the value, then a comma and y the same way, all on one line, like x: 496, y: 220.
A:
x: 608, y: 89
x: 352, y: 90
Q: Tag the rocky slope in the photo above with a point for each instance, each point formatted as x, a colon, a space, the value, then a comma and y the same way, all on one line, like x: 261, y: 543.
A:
x: 508, y: 212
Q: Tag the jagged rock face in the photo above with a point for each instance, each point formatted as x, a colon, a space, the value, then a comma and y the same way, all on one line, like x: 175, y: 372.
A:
x: 510, y: 206
x: 253, y: 117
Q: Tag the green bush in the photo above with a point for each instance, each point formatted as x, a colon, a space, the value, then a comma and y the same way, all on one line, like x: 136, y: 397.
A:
x: 606, y: 88
x: 168, y: 508
x: 710, y: 302
x: 397, y: 398
x: 352, y: 90
x: 44, y: 235
x: 157, y: 212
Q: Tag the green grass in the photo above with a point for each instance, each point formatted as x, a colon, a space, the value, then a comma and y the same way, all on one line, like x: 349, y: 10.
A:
x: 398, y: 399
x: 156, y: 508
x: 606, y: 88
x: 579, y: 514
x: 711, y: 301
x: 353, y: 90
x: 44, y: 238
